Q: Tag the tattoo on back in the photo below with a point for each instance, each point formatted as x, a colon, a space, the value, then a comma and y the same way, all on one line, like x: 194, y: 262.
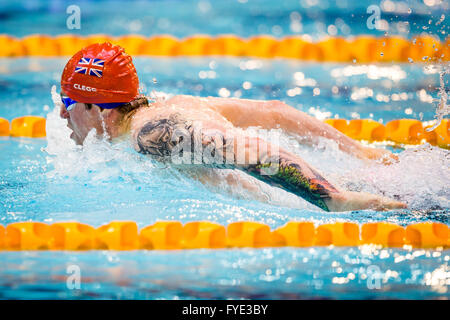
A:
x: 170, y: 137
x: 157, y: 137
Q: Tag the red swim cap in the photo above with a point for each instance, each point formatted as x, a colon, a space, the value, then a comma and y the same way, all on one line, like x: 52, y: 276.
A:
x: 100, y: 73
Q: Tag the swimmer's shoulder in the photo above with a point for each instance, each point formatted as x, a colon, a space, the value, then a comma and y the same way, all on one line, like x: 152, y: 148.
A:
x: 151, y: 128
x: 158, y: 136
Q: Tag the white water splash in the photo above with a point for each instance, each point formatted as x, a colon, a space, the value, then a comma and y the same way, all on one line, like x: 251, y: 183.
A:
x: 97, y: 159
x: 420, y: 178
x: 442, y: 108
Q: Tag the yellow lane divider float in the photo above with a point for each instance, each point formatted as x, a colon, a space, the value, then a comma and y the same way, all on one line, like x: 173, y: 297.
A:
x: 361, y: 49
x: 168, y: 235
x: 402, y: 131
x: 27, y: 126
x: 4, y: 127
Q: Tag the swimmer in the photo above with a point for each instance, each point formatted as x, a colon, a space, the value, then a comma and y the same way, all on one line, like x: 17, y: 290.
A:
x: 99, y: 90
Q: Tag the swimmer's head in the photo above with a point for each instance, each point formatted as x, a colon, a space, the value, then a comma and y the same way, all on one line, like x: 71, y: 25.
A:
x: 98, y: 82
x: 100, y: 73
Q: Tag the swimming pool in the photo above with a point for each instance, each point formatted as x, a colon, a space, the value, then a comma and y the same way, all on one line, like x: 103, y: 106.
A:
x: 51, y: 180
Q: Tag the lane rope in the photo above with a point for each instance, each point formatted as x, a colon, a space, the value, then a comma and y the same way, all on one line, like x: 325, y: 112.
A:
x: 167, y: 235
x: 400, y: 131
x: 360, y: 49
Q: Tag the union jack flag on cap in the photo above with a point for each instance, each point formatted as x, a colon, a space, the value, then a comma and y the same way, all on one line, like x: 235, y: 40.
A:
x: 90, y: 66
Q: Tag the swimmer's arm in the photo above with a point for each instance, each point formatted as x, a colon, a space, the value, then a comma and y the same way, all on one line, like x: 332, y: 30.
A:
x: 282, y: 169
x: 163, y: 139
x: 295, y: 175
x: 276, y: 114
x: 264, y: 161
x: 235, y: 184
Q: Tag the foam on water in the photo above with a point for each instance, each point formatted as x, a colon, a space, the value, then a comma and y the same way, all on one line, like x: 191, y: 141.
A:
x: 420, y: 178
x: 442, y: 108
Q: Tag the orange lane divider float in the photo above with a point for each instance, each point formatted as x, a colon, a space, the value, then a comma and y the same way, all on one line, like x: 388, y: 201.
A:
x: 338, y: 234
x: 401, y: 131
x: 383, y: 233
x: 361, y: 49
x: 170, y: 235
x: 28, y: 126
x: 4, y: 127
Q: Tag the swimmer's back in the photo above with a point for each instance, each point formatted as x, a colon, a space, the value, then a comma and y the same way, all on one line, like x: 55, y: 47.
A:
x: 180, y: 110
x: 185, y: 108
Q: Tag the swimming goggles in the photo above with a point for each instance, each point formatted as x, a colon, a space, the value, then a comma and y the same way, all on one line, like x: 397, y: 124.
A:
x: 70, y: 104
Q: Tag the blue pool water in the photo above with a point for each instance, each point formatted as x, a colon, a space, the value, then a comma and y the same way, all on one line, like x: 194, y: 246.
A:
x: 52, y: 180
x: 316, y: 273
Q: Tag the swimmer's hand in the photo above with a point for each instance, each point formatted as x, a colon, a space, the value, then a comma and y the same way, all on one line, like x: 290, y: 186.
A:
x: 386, y: 157
x: 347, y: 201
